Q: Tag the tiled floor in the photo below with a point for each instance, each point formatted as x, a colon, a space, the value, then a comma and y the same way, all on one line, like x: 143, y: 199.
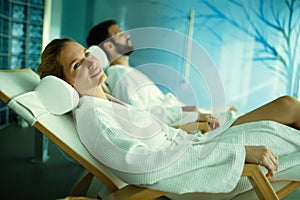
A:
x: 21, y: 179
x: 294, y: 196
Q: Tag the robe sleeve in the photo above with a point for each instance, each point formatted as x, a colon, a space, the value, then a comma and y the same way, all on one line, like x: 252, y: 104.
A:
x: 134, y: 88
x: 118, y: 149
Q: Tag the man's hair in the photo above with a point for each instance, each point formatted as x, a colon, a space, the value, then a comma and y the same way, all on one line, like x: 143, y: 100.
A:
x: 99, y: 33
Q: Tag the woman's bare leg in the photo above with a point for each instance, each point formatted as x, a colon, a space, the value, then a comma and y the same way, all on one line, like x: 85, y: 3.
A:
x: 285, y: 110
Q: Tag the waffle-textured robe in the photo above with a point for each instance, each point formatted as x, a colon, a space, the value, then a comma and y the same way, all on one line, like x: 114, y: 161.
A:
x: 143, y: 150
x: 135, y: 88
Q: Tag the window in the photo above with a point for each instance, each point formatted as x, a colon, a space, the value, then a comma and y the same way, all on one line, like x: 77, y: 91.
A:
x: 21, y: 36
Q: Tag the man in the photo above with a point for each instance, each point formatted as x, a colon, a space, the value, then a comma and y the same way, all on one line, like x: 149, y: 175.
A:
x: 134, y: 87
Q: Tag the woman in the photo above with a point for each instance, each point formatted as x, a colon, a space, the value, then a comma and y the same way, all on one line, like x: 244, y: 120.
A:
x: 143, y: 150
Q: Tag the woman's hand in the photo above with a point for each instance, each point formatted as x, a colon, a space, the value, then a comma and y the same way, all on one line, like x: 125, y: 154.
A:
x: 263, y: 156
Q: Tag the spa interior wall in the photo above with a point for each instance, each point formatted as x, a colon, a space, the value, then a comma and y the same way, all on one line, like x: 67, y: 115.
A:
x: 236, y: 44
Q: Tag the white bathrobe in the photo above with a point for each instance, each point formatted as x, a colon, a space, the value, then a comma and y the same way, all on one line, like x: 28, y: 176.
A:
x: 135, y: 88
x: 143, y: 150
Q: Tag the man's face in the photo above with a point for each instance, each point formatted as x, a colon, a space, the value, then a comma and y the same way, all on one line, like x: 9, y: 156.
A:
x: 121, y: 40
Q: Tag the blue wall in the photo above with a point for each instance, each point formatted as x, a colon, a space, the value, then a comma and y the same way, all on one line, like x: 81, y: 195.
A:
x: 76, y: 19
x: 240, y: 49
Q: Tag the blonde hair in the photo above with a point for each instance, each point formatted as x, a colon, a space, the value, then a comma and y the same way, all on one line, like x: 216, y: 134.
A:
x: 50, y: 64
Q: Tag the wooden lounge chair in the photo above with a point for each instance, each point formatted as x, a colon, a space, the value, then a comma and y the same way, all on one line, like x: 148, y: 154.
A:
x: 17, y: 90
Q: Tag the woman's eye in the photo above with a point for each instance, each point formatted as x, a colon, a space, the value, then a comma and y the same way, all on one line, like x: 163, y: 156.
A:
x: 87, y: 54
x: 76, y: 65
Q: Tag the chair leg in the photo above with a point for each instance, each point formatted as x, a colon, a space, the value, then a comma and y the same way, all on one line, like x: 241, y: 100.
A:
x: 97, y: 188
x: 260, y: 183
x: 131, y: 192
x: 84, y: 179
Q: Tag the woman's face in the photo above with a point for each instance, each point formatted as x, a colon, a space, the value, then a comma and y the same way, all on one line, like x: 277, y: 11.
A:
x: 81, y: 69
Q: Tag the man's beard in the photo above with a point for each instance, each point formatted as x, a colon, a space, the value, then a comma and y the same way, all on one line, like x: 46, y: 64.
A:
x: 124, y: 49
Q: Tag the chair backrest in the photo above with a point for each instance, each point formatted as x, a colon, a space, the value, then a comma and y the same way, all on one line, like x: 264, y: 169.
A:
x: 17, y: 82
x: 17, y: 89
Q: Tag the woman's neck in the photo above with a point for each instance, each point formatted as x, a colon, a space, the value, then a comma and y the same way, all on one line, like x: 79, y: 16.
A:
x: 97, y: 92
x: 100, y: 94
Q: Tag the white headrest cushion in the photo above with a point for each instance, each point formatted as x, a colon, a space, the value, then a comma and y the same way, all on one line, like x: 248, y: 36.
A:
x: 57, y: 95
x: 100, y: 54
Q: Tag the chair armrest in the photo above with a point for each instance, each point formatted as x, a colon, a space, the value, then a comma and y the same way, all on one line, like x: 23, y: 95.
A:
x: 259, y: 181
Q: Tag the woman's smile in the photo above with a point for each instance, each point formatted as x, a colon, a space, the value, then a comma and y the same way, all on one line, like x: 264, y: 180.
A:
x: 96, y: 72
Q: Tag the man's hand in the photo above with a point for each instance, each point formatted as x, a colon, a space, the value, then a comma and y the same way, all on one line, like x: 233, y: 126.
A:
x: 194, y: 126
x: 213, y: 122
x: 189, y: 108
